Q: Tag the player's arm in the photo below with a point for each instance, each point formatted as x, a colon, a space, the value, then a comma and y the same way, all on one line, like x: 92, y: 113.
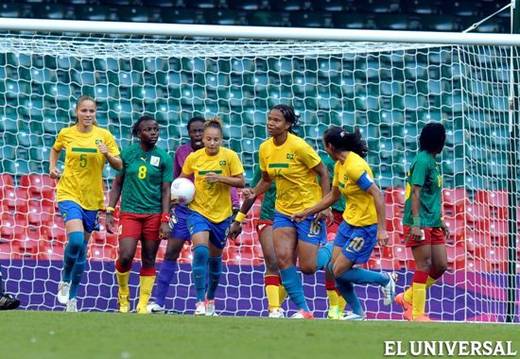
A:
x: 236, y: 226
x: 416, y: 233
x: 375, y: 192
x: 164, y: 231
x: 322, y: 171
x: 113, y: 198
x: 261, y: 187
x: 327, y: 201
x: 53, y: 160
x: 237, y: 181
x: 114, y: 161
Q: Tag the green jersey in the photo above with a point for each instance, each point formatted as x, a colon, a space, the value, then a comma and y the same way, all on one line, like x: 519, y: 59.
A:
x: 267, y: 209
x: 424, y: 172
x: 143, y: 175
x: 339, y: 206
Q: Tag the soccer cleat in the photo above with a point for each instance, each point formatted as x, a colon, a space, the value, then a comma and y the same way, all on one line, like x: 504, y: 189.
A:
x: 422, y: 318
x: 352, y: 316
x: 389, y: 289
x: 407, y: 307
x: 8, y: 302
x: 124, y: 303
x: 333, y: 312
x: 200, y: 308
x: 276, y: 313
x: 302, y: 314
x: 142, y: 310
x: 155, y: 308
x: 63, y: 292
x: 210, y: 309
x: 72, y: 306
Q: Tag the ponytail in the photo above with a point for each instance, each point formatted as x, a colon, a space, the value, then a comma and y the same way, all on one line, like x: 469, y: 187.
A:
x: 342, y: 140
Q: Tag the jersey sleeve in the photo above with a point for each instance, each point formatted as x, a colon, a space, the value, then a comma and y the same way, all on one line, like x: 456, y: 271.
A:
x: 261, y: 155
x: 187, y: 167
x: 419, y: 172
x: 335, y: 178
x: 308, y: 156
x: 167, y: 175
x: 60, y: 141
x: 177, y: 167
x: 110, y: 141
x: 359, y: 174
x: 235, y: 166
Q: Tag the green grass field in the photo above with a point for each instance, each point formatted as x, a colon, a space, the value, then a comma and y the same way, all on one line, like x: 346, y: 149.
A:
x: 28, y: 334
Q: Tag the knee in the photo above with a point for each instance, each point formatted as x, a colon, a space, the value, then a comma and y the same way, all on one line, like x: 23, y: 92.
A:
x: 284, y: 261
x: 271, y: 267
x: 440, y: 268
x: 172, y: 254
x: 424, y: 265
x: 125, y: 257
x: 308, y: 268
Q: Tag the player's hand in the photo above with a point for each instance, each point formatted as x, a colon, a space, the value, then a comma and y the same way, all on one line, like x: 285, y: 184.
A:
x: 54, y: 173
x: 416, y: 234
x: 109, y: 222
x: 382, y: 237
x: 326, y: 214
x: 174, y: 201
x: 248, y: 193
x: 164, y: 230
x: 298, y: 217
x: 103, y: 148
x: 212, y: 177
x: 234, y: 230
x: 445, y: 229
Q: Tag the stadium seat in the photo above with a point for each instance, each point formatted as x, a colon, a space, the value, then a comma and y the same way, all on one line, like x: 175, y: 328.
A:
x: 395, y: 195
x: 497, y: 201
x: 40, y: 184
x: 6, y: 180
x: 103, y: 252
x: 404, y: 256
x: 456, y: 257
x: 455, y: 198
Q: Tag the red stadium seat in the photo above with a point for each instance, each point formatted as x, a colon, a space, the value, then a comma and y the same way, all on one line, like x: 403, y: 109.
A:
x: 455, y: 198
x: 495, y: 259
x: 39, y: 183
x: 14, y: 198
x: 455, y: 226
x: 477, y: 241
x: 499, y: 230
x: 383, y: 264
x: 496, y: 200
x: 6, y: 180
x: 186, y: 255
x: 102, y: 252
x: 12, y: 226
x: 456, y: 257
x: 231, y: 254
x: 40, y: 213
x: 478, y: 216
x: 56, y: 234
x: 248, y: 256
x: 405, y: 257
x: 395, y: 196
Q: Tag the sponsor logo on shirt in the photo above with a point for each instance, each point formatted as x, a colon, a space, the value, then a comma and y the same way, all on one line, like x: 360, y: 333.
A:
x: 154, y: 161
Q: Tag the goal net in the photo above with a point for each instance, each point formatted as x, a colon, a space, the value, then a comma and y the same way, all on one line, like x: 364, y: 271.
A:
x: 388, y: 90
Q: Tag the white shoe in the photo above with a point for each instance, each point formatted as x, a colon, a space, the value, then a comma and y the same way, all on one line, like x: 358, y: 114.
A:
x: 210, y: 309
x: 72, y: 306
x: 63, y: 292
x: 352, y: 316
x: 301, y: 314
x: 276, y: 313
x: 155, y: 308
x: 389, y: 289
x: 200, y: 308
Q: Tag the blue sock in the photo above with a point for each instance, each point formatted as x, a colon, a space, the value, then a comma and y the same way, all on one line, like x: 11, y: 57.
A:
x: 168, y: 269
x: 363, y: 276
x: 199, y: 270
x: 347, y: 291
x: 76, y: 241
x: 324, y: 255
x: 77, y: 271
x: 215, y: 270
x: 292, y: 282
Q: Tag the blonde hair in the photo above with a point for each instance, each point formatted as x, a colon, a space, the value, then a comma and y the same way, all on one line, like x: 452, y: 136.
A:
x: 82, y: 99
x: 214, y: 123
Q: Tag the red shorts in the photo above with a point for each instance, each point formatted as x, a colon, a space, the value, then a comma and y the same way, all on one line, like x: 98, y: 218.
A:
x: 261, y: 224
x: 432, y: 237
x: 338, y: 218
x: 139, y: 226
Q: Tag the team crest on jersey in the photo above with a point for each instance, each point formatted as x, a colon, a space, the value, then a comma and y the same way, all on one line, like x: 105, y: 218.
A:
x: 98, y: 141
x: 154, y: 161
x: 290, y: 156
x: 222, y: 163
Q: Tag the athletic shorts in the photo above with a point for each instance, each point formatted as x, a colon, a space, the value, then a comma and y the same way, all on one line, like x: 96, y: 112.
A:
x: 180, y: 229
x: 338, y: 219
x: 431, y: 236
x: 217, y: 231
x: 262, y: 224
x: 71, y: 210
x: 140, y: 226
x: 356, y: 243
x: 308, y: 230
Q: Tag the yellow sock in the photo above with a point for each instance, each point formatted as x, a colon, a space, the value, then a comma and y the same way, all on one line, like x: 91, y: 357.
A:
x: 122, y: 281
x: 342, y: 303
x: 333, y: 298
x: 273, y: 296
x: 408, y: 294
x: 418, y: 299
x: 145, y: 291
x: 282, y: 294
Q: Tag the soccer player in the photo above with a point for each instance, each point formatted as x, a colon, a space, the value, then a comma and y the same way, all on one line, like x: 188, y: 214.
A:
x: 7, y: 301
x: 180, y: 233
x: 144, y: 185
x: 424, y: 229
x: 364, y: 218
x: 293, y: 165
x: 215, y: 169
x: 275, y: 292
x: 80, y: 189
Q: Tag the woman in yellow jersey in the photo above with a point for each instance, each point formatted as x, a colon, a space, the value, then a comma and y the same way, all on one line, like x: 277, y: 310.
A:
x: 216, y: 170
x: 363, y: 219
x: 294, y: 166
x: 80, y: 189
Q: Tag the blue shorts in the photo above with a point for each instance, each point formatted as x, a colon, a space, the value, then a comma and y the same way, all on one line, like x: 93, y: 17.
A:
x: 180, y: 229
x: 356, y: 243
x: 71, y: 210
x: 217, y: 231
x: 307, y: 230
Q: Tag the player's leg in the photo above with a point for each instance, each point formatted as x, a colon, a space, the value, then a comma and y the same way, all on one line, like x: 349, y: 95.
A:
x: 422, y: 255
x: 336, y: 301
x: 131, y: 228
x: 272, y: 281
x: 341, y: 265
x: 169, y: 266
x: 314, y: 252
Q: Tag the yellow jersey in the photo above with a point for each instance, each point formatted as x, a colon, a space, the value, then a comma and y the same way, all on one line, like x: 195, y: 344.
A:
x: 212, y: 200
x: 289, y: 166
x: 82, y: 178
x: 360, y: 209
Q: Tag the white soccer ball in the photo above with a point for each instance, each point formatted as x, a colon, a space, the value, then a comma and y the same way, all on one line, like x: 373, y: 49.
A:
x: 182, y: 190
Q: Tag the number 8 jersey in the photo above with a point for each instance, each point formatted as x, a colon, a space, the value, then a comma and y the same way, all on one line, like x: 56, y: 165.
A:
x: 144, y: 173
x: 82, y: 178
